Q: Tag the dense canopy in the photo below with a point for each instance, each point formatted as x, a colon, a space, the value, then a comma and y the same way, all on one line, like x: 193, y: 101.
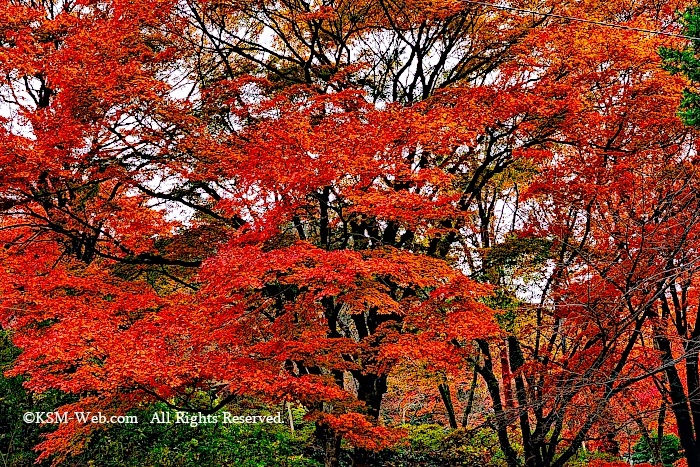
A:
x: 351, y: 207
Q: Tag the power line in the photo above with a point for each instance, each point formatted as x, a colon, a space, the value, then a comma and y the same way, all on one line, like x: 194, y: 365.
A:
x: 581, y: 20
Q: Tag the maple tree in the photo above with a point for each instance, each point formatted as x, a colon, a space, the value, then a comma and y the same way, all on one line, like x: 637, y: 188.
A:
x: 111, y: 271
x: 613, y: 219
x: 203, y: 201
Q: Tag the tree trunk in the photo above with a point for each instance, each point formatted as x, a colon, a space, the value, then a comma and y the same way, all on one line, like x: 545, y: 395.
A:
x: 470, y: 400
x: 500, y: 415
x: 370, y: 390
x: 330, y: 442
x: 362, y: 458
x: 444, y: 389
x: 679, y: 404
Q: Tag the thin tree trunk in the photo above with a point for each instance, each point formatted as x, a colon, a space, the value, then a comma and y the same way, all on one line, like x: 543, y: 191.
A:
x: 470, y: 399
x: 660, y: 431
x: 444, y: 389
x: 654, y: 444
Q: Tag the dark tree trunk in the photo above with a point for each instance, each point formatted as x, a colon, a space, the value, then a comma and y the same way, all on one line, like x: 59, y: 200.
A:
x: 679, y: 404
x: 500, y: 415
x: 362, y: 458
x: 470, y: 399
x: 444, y: 389
x: 330, y: 443
x: 370, y: 390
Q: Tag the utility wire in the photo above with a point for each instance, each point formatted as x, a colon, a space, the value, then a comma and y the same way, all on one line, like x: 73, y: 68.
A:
x: 581, y: 20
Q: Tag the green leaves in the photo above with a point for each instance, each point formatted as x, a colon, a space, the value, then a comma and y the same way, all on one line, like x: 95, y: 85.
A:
x: 671, y: 450
x: 686, y: 61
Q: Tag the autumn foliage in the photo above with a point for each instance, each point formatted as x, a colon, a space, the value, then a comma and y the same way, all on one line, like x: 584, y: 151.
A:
x: 348, y: 205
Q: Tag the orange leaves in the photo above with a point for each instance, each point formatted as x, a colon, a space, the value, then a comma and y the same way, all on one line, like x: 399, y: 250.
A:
x: 73, y: 437
x: 285, y: 201
x: 362, y: 433
x: 356, y: 279
x: 404, y: 207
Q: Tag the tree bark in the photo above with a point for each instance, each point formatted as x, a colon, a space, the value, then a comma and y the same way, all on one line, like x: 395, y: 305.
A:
x: 330, y: 442
x: 447, y: 400
x: 679, y: 404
